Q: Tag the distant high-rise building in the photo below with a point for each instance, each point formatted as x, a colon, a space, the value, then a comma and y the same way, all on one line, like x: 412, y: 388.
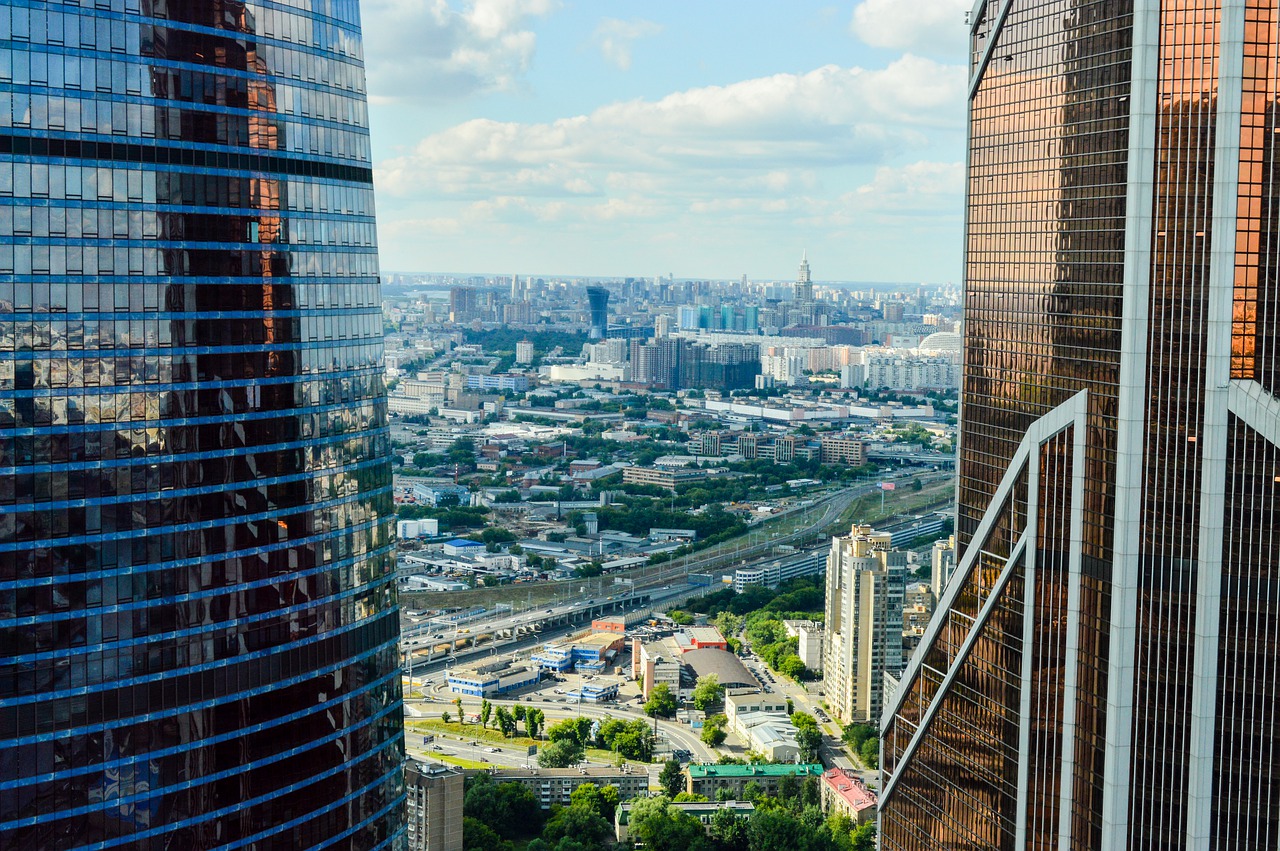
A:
x: 1103, y: 666
x: 662, y: 325
x: 862, y: 640
x: 804, y: 284
x: 462, y: 304
x: 598, y: 300
x: 198, y: 619
x: 524, y: 352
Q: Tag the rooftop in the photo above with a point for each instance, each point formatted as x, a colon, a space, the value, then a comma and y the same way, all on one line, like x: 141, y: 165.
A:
x: 727, y: 667
x: 580, y: 771
x: 755, y: 770
x: 705, y: 635
x: 738, y: 808
x: 855, y: 794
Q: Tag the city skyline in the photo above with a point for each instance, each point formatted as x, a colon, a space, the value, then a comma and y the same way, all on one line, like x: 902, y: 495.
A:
x: 540, y: 136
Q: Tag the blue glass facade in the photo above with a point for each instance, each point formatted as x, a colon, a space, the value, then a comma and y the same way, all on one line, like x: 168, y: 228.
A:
x: 198, y: 620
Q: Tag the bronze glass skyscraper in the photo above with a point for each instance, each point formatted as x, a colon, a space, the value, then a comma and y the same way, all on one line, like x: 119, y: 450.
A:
x: 1103, y: 668
x: 198, y: 622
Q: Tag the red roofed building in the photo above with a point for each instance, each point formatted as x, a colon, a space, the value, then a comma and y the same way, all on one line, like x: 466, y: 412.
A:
x: 845, y: 794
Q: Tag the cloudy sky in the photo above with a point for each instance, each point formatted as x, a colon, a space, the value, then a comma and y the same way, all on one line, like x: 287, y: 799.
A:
x: 712, y: 138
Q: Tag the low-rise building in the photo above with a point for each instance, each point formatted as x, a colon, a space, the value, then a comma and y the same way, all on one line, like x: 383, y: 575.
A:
x: 663, y: 478
x: 595, y: 692
x: 770, y: 734
x: 590, y: 652
x: 703, y: 811
x: 842, y: 793
x: 433, y: 806
x: 708, y: 780
x: 555, y: 785
x: 493, y: 678
x: 741, y: 701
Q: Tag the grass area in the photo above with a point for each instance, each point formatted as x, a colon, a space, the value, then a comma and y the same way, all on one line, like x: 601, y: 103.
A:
x: 467, y: 731
x: 459, y: 762
x: 475, y: 733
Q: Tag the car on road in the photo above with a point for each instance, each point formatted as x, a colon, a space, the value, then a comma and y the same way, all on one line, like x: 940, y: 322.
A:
x: 491, y: 750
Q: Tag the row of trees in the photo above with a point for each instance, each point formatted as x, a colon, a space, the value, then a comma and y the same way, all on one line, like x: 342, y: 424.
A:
x: 865, y: 740
x: 569, y: 740
x: 505, y: 720
x: 500, y: 816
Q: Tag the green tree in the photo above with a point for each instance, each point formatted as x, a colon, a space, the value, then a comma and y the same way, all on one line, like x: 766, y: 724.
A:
x: 445, y: 716
x: 510, y: 808
x: 707, y: 693
x: 518, y: 711
x: 713, y: 733
x: 792, y: 666
x: 506, y: 722
x: 753, y: 791
x: 680, y: 617
x: 478, y: 836
x: 533, y: 718
x: 870, y: 753
x: 771, y: 829
x: 864, y: 837
x: 728, y: 830
x: 462, y: 719
x: 661, y: 702
x: 659, y: 826
x: 601, y: 800
x: 579, y: 822
x: 672, y: 778
x: 855, y: 734
x: 788, y: 787
x: 560, y: 754
x: 486, y: 712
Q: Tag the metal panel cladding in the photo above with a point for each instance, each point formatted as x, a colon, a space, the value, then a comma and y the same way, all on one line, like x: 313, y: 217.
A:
x: 198, y: 619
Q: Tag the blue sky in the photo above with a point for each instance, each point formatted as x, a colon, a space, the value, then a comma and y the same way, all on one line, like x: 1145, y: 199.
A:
x: 705, y: 139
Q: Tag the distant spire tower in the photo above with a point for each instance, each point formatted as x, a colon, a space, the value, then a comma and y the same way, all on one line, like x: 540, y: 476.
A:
x: 804, y: 284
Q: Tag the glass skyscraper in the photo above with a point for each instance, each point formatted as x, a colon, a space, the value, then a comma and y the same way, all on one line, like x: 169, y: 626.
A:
x: 1103, y: 669
x: 198, y: 621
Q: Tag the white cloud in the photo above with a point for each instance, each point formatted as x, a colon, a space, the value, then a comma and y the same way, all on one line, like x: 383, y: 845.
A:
x: 614, y: 37
x: 437, y: 50
x: 919, y: 187
x: 932, y: 27
x: 762, y: 135
x: 854, y: 158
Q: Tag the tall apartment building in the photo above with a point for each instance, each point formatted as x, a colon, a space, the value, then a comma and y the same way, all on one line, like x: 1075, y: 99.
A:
x: 1102, y: 669
x: 862, y: 640
x: 433, y: 806
x: 463, y: 304
x: 198, y: 619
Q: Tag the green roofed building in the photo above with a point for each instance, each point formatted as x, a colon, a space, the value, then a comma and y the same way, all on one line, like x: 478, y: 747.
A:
x: 708, y: 779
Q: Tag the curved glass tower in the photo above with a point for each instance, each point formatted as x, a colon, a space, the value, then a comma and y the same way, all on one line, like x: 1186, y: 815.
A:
x: 197, y: 613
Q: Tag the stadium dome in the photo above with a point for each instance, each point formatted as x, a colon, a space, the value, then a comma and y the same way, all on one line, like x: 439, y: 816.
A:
x: 942, y: 341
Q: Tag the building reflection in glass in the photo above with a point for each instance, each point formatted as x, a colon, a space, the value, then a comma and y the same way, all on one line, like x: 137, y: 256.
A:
x: 196, y: 601
x: 1049, y: 252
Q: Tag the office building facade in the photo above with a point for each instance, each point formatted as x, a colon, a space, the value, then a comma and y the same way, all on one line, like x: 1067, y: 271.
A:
x: 198, y: 620
x: 1102, y: 667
